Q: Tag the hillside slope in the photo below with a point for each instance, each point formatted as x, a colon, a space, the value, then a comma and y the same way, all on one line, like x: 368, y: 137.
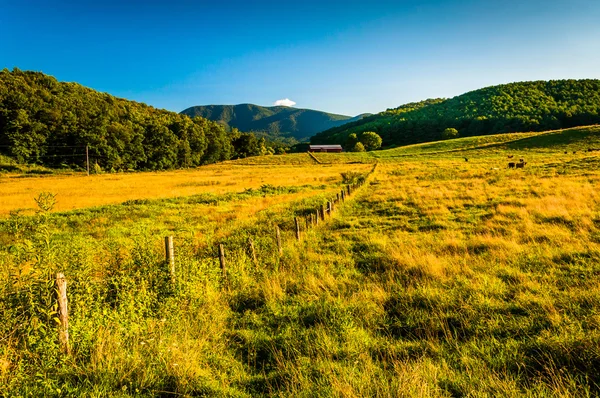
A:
x: 561, y: 144
x: 275, y: 121
x: 47, y: 122
x: 526, y: 106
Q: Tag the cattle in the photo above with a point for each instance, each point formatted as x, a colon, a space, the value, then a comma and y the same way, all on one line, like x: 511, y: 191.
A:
x: 510, y: 156
x: 511, y: 165
x: 521, y: 165
x: 466, y: 159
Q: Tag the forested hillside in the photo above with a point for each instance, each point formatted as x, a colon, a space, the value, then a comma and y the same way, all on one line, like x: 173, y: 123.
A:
x: 276, y: 122
x: 47, y: 122
x: 526, y: 106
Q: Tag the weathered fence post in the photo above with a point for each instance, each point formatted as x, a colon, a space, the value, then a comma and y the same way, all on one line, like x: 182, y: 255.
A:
x: 337, y: 197
x: 323, y: 212
x: 170, y: 256
x: 316, y: 219
x: 349, y: 190
x: 343, y: 196
x: 222, y: 261
x: 252, y: 251
x: 278, y: 235
x: 63, y: 313
x: 297, y: 228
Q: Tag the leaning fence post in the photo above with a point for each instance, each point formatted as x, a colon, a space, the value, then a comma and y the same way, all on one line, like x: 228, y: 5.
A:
x: 278, y: 235
x: 297, y: 228
x: 63, y: 313
x: 222, y: 261
x: 170, y: 256
x: 252, y: 251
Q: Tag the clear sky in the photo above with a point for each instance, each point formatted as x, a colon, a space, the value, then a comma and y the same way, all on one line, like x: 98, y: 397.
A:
x: 345, y: 57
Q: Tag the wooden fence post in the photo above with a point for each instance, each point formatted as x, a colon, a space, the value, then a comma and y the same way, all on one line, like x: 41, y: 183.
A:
x: 170, y: 256
x: 349, y: 190
x: 222, y: 261
x: 278, y: 235
x: 343, y: 196
x: 297, y: 228
x: 316, y: 219
x: 252, y: 251
x: 323, y: 212
x: 63, y: 313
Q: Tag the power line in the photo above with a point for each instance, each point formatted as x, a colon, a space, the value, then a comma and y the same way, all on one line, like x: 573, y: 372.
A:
x: 49, y: 146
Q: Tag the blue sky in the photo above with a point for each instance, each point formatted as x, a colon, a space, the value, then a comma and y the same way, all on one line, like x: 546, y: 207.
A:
x: 345, y: 57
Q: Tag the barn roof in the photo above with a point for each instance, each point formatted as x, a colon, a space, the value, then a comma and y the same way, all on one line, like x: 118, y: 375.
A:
x: 325, y: 146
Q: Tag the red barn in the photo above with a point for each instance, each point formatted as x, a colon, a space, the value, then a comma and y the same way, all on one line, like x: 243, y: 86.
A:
x: 325, y: 148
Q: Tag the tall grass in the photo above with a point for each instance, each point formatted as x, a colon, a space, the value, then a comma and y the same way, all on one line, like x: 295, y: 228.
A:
x: 439, y: 277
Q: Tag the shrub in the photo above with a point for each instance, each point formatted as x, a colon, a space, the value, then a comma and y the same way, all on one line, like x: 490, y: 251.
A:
x: 358, y: 147
x: 370, y: 140
x: 449, y: 133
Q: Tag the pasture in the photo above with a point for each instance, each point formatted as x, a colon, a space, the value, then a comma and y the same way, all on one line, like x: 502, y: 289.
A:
x: 445, y: 274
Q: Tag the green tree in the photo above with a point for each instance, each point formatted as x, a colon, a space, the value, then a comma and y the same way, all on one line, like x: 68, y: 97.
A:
x: 358, y: 147
x: 351, y: 141
x: 248, y: 145
x: 370, y: 140
x: 449, y: 133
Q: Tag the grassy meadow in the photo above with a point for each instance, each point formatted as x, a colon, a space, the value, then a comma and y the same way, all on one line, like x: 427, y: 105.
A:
x: 445, y: 274
x: 80, y: 191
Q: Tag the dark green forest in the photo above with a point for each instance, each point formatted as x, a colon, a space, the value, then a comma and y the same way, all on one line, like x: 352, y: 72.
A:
x: 281, y: 123
x: 515, y: 107
x: 46, y: 122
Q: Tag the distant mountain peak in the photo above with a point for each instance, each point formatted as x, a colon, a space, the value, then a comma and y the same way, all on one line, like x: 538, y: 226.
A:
x: 280, y: 120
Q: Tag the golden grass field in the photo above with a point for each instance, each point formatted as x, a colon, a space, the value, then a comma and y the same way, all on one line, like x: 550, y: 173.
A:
x: 445, y: 274
x: 81, y: 191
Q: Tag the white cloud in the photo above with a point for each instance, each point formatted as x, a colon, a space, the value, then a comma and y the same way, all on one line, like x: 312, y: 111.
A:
x: 284, y: 102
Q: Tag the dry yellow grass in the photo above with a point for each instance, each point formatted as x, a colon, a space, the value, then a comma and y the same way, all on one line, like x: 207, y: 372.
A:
x: 439, y: 277
x: 76, y: 192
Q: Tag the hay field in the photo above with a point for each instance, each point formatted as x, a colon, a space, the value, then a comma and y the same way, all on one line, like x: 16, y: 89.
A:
x: 445, y: 274
x: 80, y: 191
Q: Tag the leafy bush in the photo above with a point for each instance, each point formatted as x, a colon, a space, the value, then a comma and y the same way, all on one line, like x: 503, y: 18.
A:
x: 449, y: 133
x: 353, y: 177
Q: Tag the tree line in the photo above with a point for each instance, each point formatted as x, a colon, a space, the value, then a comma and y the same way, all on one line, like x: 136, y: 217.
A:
x: 515, y: 107
x: 47, y: 122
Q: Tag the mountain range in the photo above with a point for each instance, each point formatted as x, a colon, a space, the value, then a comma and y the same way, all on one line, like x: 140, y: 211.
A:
x: 274, y: 122
x: 47, y: 122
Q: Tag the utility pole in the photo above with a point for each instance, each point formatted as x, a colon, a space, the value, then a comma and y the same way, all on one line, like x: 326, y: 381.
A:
x: 87, y: 159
